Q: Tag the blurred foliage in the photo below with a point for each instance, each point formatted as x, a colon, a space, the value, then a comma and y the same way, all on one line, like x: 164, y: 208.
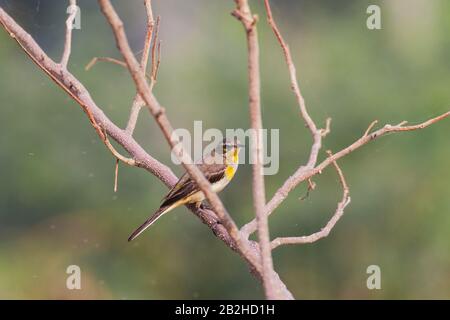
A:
x: 57, y: 205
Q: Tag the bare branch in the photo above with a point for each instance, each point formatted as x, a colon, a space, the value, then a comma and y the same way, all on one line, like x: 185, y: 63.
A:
x: 292, y: 71
x: 102, y: 123
x: 77, y: 91
x: 138, y: 103
x: 316, y: 133
x: 106, y: 59
x: 305, y: 172
x: 365, y: 139
x: 219, y: 221
x: 69, y: 26
x: 158, y: 62
x: 325, y: 231
x: 156, y: 54
x: 120, y: 63
x: 148, y: 35
x: 159, y: 114
x: 243, y: 13
x: 136, y: 106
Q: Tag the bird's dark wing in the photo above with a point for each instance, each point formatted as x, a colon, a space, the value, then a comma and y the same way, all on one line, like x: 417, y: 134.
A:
x: 179, y: 192
x: 213, y: 172
x: 186, y: 186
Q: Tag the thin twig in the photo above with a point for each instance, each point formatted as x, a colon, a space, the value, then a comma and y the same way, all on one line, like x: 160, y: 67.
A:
x: 136, y: 106
x: 69, y: 27
x: 156, y: 54
x: 327, y: 130
x: 151, y: 32
x: 370, y: 127
x: 128, y: 161
x: 120, y: 63
x: 158, y: 62
x: 116, y: 175
x: 311, y: 187
x: 106, y: 59
x: 148, y: 34
x: 317, y: 134
x: 292, y: 71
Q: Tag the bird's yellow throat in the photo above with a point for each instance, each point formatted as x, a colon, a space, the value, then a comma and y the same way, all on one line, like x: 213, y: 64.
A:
x: 231, y: 169
x: 236, y: 155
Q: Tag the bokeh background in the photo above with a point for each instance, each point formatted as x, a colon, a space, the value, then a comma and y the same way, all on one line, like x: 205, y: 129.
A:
x: 58, y: 208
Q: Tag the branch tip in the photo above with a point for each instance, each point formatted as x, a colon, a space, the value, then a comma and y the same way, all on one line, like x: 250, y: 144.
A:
x: 68, y: 39
x: 324, y: 132
x: 370, y: 127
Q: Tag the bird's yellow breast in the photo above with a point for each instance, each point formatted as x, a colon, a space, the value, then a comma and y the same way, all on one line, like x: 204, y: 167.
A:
x: 231, y: 169
x: 229, y: 172
x: 236, y: 156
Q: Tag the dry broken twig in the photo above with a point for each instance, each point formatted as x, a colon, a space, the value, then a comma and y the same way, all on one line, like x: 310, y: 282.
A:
x: 105, y: 59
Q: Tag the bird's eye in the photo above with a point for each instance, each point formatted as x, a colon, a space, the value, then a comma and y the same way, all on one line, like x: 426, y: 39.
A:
x: 227, y: 147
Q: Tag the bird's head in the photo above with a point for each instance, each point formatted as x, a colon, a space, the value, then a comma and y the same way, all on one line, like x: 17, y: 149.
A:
x: 230, y: 150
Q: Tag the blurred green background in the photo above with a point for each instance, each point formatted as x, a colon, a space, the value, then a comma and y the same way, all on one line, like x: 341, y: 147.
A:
x: 58, y: 208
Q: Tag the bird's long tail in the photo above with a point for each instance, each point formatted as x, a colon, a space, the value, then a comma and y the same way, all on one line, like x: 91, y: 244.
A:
x: 150, y: 221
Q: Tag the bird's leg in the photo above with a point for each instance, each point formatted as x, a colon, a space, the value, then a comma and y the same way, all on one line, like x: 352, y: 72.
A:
x: 205, y: 206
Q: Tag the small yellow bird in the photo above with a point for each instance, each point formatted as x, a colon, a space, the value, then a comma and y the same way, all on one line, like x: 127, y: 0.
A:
x: 219, y: 168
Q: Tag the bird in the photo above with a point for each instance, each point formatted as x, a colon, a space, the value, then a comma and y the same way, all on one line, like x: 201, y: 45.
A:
x: 219, y: 168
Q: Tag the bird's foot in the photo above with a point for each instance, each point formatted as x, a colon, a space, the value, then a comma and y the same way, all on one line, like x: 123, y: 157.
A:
x: 205, y: 206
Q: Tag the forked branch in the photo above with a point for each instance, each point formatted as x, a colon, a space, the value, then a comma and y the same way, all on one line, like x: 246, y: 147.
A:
x: 305, y: 172
x: 325, y: 231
